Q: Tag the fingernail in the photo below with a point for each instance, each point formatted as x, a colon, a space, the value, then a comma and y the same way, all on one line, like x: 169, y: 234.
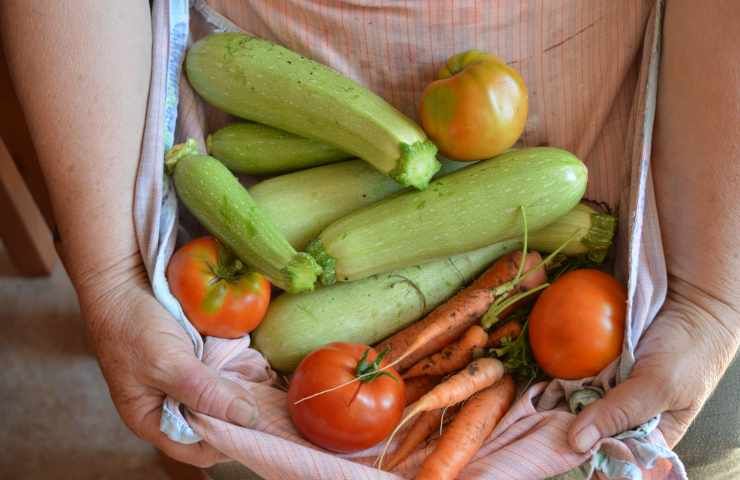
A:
x: 586, y: 438
x: 243, y: 412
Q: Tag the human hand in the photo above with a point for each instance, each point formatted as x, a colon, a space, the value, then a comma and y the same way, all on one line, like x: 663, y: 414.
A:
x: 144, y: 355
x: 680, y: 359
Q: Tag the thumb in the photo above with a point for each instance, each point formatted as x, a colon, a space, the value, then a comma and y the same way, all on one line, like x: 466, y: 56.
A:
x: 201, y: 389
x: 627, y: 405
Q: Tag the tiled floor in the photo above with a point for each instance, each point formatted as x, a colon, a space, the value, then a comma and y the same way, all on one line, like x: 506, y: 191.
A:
x: 56, y: 418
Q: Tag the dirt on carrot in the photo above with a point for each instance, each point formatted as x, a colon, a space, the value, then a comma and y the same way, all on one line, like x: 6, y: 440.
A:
x: 423, y: 428
x: 448, y: 321
x: 479, y: 374
x: 453, y: 357
x: 468, y: 431
x: 417, y: 387
x: 511, y: 330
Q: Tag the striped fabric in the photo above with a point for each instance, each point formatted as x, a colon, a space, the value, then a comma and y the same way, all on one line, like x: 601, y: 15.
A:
x: 591, y: 69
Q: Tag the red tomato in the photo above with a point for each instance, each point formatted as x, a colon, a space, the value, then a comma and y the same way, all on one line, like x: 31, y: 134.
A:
x: 476, y: 109
x: 351, y: 418
x: 577, y: 325
x: 219, y: 295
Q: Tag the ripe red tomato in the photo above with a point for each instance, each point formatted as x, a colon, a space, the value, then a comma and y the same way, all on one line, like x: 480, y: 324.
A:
x: 477, y: 108
x: 219, y: 295
x: 577, y: 325
x: 351, y: 418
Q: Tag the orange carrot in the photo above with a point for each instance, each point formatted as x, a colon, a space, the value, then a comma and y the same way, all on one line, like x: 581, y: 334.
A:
x: 449, y: 320
x: 424, y: 426
x: 510, y: 329
x: 442, y: 326
x: 479, y: 374
x: 453, y: 357
x: 506, y: 268
x: 465, y: 435
x: 417, y: 387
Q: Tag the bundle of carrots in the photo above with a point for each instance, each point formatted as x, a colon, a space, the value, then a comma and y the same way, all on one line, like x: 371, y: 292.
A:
x: 446, y: 382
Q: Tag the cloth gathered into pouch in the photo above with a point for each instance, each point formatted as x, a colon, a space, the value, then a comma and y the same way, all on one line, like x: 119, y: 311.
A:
x: 531, y: 440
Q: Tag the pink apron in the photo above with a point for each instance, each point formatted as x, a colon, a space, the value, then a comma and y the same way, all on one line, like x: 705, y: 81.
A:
x: 591, y: 70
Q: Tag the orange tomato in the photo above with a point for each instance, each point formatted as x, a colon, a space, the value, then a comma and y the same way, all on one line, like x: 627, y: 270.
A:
x: 577, y: 325
x: 219, y: 295
x: 476, y: 109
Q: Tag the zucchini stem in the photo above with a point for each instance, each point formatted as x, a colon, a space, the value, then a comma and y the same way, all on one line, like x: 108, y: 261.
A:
x: 417, y: 165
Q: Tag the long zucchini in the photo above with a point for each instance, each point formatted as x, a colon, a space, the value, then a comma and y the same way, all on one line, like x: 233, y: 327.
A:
x: 365, y: 311
x: 371, y: 309
x: 257, y: 149
x: 302, y: 204
x: 224, y: 207
x: 267, y: 83
x: 468, y: 209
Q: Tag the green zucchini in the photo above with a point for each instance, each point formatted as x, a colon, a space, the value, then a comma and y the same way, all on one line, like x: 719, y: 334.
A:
x: 224, y: 207
x: 267, y: 83
x: 468, y: 209
x: 301, y: 204
x: 365, y: 311
x: 599, y: 231
x: 369, y: 310
x: 257, y: 149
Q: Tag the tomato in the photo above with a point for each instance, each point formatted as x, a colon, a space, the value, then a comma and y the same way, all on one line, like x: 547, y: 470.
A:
x: 219, y: 295
x: 351, y: 418
x: 577, y: 325
x: 476, y: 109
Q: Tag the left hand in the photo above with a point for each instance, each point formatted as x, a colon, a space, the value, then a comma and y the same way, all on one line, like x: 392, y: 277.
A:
x: 680, y: 360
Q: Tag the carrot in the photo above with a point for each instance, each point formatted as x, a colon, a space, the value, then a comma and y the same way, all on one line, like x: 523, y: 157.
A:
x: 449, y: 320
x: 424, y: 426
x: 510, y: 329
x: 471, y: 427
x: 478, y: 375
x: 453, y: 357
x: 443, y: 325
x: 417, y: 387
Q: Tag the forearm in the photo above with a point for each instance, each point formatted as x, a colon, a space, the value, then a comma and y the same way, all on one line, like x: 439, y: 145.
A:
x: 697, y: 161
x: 81, y: 71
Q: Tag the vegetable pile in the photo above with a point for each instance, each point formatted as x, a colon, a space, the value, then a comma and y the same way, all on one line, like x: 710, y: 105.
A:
x: 415, y: 296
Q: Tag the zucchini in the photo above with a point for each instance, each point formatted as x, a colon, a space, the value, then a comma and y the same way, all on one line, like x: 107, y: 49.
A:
x: 267, y: 83
x: 224, y: 207
x: 599, y: 231
x: 369, y: 310
x: 301, y: 204
x: 365, y: 311
x: 468, y: 209
x: 261, y: 150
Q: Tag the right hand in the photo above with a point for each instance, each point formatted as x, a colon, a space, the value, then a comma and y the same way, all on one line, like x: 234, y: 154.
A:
x: 145, y: 355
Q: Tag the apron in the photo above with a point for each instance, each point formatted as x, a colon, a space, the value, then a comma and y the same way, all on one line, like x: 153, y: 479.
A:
x: 591, y: 70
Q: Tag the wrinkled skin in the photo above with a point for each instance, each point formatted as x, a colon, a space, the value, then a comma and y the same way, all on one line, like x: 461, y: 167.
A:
x: 679, y: 362
x: 144, y: 354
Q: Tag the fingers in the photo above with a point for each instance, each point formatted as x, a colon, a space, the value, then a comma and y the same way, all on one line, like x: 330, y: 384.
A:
x: 200, y: 388
x: 198, y: 454
x: 627, y: 405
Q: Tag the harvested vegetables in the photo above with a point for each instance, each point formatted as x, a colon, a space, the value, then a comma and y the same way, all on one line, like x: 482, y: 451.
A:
x: 576, y: 327
x: 302, y: 204
x: 466, y: 433
x: 365, y: 311
x: 217, y: 199
x: 351, y: 418
x: 477, y: 107
x: 257, y: 149
x: 260, y: 81
x: 453, y: 357
x: 450, y: 320
x: 465, y: 210
x: 218, y: 293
